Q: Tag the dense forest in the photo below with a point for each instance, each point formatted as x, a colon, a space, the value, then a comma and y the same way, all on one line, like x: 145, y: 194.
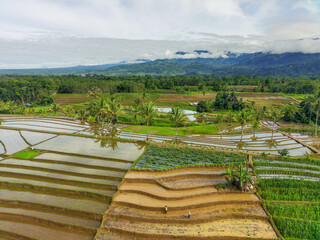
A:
x: 40, y: 89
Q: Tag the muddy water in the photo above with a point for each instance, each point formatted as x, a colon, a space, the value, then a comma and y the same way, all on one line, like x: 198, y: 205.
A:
x: 57, y: 196
x: 56, y: 186
x: 43, y: 174
x: 62, y: 167
x: 52, y: 217
x: 39, y: 232
x: 75, y: 145
x: 57, y: 201
x: 85, y: 161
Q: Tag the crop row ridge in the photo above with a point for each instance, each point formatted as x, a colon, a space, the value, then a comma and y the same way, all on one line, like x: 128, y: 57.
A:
x: 131, y: 218
x: 51, y: 209
x: 176, y: 198
x: 139, y: 235
x: 16, y: 236
x: 46, y: 223
x: 194, y: 206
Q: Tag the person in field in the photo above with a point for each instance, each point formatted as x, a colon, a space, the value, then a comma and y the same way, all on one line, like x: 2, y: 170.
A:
x: 165, y: 209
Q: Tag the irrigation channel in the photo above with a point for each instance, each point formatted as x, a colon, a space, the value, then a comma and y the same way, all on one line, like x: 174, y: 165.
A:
x: 64, y: 188
x: 61, y: 190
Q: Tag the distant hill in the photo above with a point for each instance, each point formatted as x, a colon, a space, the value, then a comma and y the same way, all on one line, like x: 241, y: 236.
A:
x: 59, y: 71
x: 260, y: 64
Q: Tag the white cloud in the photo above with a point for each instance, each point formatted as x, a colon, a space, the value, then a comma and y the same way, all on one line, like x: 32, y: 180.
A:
x: 47, y: 33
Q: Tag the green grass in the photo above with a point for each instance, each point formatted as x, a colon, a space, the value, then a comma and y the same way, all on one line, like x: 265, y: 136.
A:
x: 26, y: 154
x: 199, y: 129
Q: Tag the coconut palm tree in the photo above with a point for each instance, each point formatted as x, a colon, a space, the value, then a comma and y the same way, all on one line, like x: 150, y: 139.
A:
x: 177, y: 116
x: 97, y: 109
x: 113, y: 107
x: 147, y: 110
x: 11, y: 106
x: 255, y: 126
x: 243, y: 117
x: 55, y: 108
x: 68, y: 110
x: 81, y: 114
x: 274, y: 114
x: 316, y: 105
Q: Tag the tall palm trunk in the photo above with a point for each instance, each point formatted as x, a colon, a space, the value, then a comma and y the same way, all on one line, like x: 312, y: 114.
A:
x: 147, y: 128
x: 241, y: 132
x: 176, y: 132
x: 316, y: 127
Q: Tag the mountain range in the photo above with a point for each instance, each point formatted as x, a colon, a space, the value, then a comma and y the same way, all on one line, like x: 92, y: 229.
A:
x: 260, y: 64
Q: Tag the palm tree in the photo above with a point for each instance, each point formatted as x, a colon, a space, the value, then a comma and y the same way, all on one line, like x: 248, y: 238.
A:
x: 113, y: 107
x: 243, y: 117
x: 274, y: 114
x: 68, y: 110
x: 97, y: 109
x: 55, y: 108
x: 147, y: 110
x: 11, y: 106
x: 81, y: 114
x: 255, y: 126
x: 177, y: 116
x: 316, y: 104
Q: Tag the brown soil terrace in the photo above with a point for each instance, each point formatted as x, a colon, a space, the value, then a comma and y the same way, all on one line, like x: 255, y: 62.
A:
x: 137, y: 210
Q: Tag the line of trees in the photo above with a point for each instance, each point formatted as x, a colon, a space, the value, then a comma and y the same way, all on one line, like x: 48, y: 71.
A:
x: 40, y: 89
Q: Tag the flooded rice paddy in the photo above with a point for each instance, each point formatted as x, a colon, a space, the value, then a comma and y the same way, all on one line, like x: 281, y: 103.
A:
x: 62, y: 192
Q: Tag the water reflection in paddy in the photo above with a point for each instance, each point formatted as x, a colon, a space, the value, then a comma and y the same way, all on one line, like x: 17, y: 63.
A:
x: 62, y: 167
x: 57, y: 201
x: 88, y: 146
x: 84, y: 160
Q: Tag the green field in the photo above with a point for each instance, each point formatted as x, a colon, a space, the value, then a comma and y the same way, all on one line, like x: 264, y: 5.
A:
x: 168, y: 157
x: 198, y: 129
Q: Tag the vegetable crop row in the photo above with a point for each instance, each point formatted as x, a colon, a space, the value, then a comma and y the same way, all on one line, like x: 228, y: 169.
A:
x: 286, y: 165
x: 311, y: 161
x: 298, y: 228
x: 298, y: 211
x: 166, y: 157
x: 289, y: 194
x: 287, y: 172
x: 265, y: 184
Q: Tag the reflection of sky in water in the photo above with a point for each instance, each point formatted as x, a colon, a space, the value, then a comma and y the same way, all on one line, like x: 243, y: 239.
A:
x: 190, y: 114
x: 12, y: 141
x: 88, y: 146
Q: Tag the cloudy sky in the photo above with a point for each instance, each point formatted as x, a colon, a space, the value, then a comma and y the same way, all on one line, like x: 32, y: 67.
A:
x: 57, y: 33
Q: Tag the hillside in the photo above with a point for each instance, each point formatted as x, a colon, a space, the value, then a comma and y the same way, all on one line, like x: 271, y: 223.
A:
x: 260, y: 64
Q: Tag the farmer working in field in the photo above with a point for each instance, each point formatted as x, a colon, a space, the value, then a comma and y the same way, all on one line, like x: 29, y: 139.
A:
x: 189, y: 214
x: 165, y: 209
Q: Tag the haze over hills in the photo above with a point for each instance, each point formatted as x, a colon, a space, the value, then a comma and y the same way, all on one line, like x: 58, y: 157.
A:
x: 260, y: 64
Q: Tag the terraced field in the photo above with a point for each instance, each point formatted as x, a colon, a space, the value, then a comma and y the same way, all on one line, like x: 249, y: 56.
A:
x: 137, y: 211
x: 261, y: 144
x: 291, y: 192
x: 63, y: 191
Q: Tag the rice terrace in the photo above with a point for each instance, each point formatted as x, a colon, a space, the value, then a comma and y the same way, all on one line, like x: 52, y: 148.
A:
x: 159, y: 120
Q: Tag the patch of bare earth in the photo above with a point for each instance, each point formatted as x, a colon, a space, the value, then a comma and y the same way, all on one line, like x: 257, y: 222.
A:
x: 137, y: 211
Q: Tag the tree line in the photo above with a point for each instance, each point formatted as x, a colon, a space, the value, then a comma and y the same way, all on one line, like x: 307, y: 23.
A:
x: 40, y: 89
